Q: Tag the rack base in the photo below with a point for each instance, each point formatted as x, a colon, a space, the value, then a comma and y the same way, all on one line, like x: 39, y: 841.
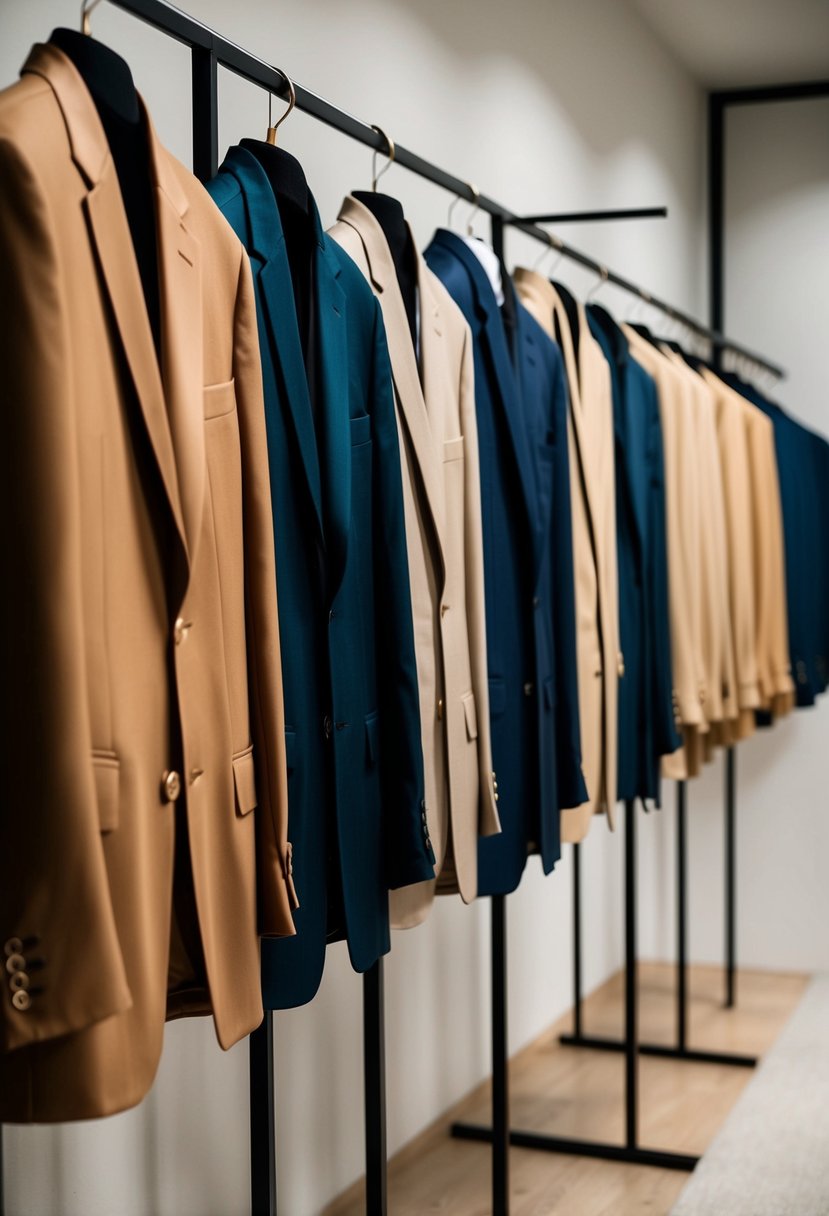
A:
x: 664, y: 1050
x: 581, y: 1148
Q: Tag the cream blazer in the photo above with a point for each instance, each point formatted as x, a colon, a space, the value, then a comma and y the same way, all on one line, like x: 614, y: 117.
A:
x: 755, y: 531
x: 436, y: 419
x: 593, y: 490
x: 683, y: 488
x: 143, y: 586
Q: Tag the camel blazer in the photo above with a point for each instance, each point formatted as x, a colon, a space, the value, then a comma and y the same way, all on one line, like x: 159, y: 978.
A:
x: 760, y: 626
x: 592, y: 485
x: 355, y: 767
x: 682, y: 509
x: 140, y: 650
x: 442, y: 497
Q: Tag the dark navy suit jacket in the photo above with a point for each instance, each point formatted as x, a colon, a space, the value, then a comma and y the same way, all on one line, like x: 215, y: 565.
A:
x: 521, y: 407
x: 355, y: 785
x: 803, y: 471
x: 646, y: 719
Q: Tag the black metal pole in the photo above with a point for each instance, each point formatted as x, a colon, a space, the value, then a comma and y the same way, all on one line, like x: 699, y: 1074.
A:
x: 581, y: 217
x: 205, y: 114
x: 374, y: 1081
x: 681, y: 918
x: 730, y: 878
x: 500, y: 1064
x: 577, y: 986
x: 631, y: 1009
x: 262, y: 1120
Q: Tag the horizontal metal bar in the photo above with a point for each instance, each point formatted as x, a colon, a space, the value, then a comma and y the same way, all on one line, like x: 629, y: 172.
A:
x: 621, y: 213
x: 664, y: 1050
x: 798, y: 91
x: 581, y: 1148
x: 181, y: 26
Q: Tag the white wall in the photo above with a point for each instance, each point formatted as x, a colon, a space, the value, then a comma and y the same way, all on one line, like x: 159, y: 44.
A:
x: 776, y: 301
x: 544, y: 105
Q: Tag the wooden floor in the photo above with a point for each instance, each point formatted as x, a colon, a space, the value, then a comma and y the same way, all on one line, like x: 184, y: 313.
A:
x: 574, y: 1092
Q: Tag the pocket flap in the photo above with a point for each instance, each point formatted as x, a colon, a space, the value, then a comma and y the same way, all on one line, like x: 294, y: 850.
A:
x: 244, y: 780
x: 219, y: 399
x: 360, y: 430
x: 471, y: 713
x: 107, y: 769
x: 453, y: 449
x: 497, y: 697
x: 372, y: 738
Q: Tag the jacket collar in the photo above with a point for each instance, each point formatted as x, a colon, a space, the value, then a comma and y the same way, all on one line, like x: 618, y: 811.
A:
x: 416, y: 400
x: 170, y: 397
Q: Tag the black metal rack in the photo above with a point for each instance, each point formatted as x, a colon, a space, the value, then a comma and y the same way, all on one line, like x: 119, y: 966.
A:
x: 209, y: 51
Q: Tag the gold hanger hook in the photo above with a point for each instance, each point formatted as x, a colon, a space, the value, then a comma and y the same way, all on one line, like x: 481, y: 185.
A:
x: 553, y: 242
x: 391, y: 152
x: 273, y: 127
x: 86, y: 11
x: 604, y: 274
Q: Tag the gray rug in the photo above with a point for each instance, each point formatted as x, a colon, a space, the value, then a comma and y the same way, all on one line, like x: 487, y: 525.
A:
x: 771, y: 1157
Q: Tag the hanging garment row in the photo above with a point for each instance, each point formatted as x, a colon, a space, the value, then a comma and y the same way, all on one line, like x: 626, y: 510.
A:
x: 344, y: 576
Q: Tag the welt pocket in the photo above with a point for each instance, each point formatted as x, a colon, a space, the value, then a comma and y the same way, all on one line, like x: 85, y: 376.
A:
x: 219, y: 399
x: 244, y: 781
x: 360, y: 430
x: 453, y: 449
x: 471, y: 715
x: 106, y: 769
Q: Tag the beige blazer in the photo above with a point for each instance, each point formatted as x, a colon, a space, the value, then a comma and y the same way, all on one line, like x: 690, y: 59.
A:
x: 684, y: 545
x: 759, y: 612
x: 435, y: 402
x: 141, y: 610
x: 592, y: 483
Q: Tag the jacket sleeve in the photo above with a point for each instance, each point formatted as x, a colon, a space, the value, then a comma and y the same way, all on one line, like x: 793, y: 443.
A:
x: 667, y: 738
x: 57, y: 927
x: 409, y: 857
x: 276, y: 895
x: 572, y: 790
x: 488, y: 821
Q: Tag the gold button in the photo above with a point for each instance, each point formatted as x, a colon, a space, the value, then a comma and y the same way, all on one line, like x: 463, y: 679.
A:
x: 496, y: 796
x: 13, y: 946
x: 15, y: 962
x: 19, y: 981
x: 171, y: 786
x: 180, y: 630
x: 620, y: 664
x: 440, y: 710
x: 444, y: 608
x: 21, y: 1001
x: 528, y: 689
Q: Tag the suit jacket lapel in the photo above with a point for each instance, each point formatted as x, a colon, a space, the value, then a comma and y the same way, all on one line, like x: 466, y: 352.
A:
x: 271, y: 268
x: 335, y: 452
x: 411, y: 396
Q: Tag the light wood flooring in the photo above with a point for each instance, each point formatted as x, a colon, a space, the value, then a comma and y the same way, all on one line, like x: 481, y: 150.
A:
x: 574, y: 1092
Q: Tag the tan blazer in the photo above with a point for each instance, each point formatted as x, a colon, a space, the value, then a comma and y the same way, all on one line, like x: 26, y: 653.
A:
x: 684, y: 544
x: 441, y: 490
x: 760, y: 618
x: 135, y: 589
x: 592, y: 482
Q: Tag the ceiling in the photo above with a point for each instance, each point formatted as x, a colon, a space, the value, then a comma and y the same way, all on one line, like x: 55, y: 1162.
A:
x: 731, y: 43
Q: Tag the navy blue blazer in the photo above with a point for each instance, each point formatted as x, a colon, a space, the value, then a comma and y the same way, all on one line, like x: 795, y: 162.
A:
x: 355, y: 787
x: 803, y: 471
x: 647, y: 730
x: 521, y: 407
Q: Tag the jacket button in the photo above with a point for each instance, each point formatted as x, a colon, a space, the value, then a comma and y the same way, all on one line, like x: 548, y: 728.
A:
x: 327, y: 726
x: 528, y: 689
x: 330, y: 615
x: 180, y: 630
x: 13, y: 946
x: 15, y: 962
x: 444, y: 608
x: 21, y: 1001
x: 536, y: 601
x: 19, y: 981
x: 440, y: 710
x: 170, y: 786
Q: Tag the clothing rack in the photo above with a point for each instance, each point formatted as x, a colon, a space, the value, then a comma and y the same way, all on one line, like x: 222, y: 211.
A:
x: 209, y: 51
